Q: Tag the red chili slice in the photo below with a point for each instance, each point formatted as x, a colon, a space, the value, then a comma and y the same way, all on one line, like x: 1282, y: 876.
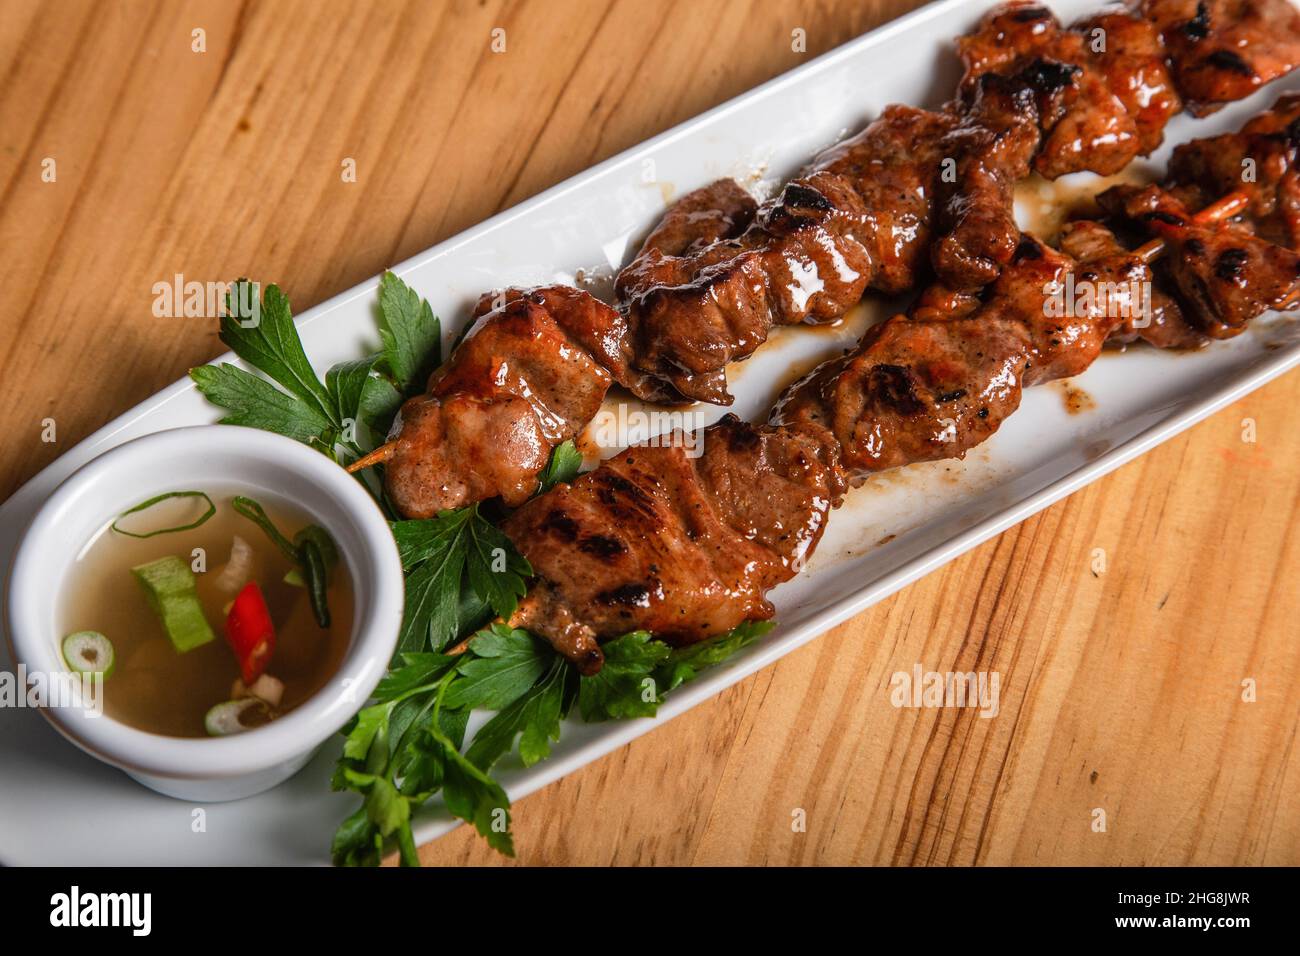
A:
x: 250, y: 633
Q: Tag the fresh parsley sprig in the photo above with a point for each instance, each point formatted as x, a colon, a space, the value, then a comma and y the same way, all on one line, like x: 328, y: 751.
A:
x: 327, y: 415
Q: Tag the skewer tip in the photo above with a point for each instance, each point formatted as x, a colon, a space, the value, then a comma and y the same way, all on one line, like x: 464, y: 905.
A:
x: 378, y: 456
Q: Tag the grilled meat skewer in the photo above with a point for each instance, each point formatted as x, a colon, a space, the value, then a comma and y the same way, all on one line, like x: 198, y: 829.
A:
x: 683, y: 546
x: 1224, y: 277
x: 531, y: 374
x: 687, y: 548
x: 1121, y: 93
x: 1259, y: 160
x: 1224, y: 50
x: 861, y: 217
x: 1091, y: 97
x: 720, y: 270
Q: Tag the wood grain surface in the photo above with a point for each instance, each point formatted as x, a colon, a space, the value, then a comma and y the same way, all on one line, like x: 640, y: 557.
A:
x: 1122, y: 691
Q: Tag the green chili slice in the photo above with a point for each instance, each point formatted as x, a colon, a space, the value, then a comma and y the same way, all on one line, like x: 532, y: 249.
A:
x: 212, y: 509
x: 317, y: 580
x: 312, y: 552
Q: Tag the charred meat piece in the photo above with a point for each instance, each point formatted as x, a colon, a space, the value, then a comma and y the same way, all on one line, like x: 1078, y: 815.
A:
x: 1127, y: 50
x: 935, y: 384
x: 1163, y: 324
x: 531, y: 374
x: 858, y: 218
x: 720, y: 210
x: 1259, y: 160
x: 682, y: 539
x: 1223, y: 275
x: 687, y: 546
x: 989, y: 149
x: 861, y: 217
x: 1221, y: 51
x: 1117, y: 94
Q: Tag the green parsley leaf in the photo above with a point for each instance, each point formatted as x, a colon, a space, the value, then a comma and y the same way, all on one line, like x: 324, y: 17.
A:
x: 417, y: 671
x: 354, y: 843
x: 504, y: 665
x: 346, y: 383
x: 429, y: 618
x: 380, y: 401
x: 434, y: 552
x: 478, y: 799
x: 271, y: 345
x: 453, y: 724
x: 533, y: 717
x: 370, y: 723
x: 421, y: 765
x: 422, y: 539
x: 685, y: 663
x: 256, y: 403
x: 386, y: 808
x: 496, y: 569
x: 624, y: 686
x: 565, y: 462
x: 410, y: 332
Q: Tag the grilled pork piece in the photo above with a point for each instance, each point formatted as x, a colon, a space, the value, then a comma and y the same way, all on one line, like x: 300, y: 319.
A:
x: 1120, y: 94
x: 1259, y: 160
x: 858, y: 218
x: 660, y: 539
x: 991, y: 147
x: 531, y: 374
x: 1165, y: 327
x: 718, y: 274
x: 1223, y: 275
x: 687, y: 548
x: 1221, y: 51
x: 935, y: 384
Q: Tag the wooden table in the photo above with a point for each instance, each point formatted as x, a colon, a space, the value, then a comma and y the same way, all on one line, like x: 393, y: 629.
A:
x: 1121, y: 691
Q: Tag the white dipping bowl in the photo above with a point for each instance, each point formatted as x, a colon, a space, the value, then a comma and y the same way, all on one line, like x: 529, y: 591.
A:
x: 213, y: 458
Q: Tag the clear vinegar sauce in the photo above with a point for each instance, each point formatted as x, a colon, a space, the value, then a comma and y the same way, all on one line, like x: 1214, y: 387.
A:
x: 154, y: 687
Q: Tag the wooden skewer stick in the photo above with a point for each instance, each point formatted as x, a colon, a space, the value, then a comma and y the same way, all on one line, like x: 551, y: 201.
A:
x: 378, y: 456
x: 1217, y: 211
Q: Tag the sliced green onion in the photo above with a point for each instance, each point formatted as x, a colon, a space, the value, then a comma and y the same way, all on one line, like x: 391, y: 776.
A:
x: 169, y: 584
x: 236, y: 716
x: 89, y: 652
x: 254, y: 512
x: 212, y: 509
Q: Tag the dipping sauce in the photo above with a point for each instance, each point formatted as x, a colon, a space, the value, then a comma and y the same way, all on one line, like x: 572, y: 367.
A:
x: 215, y: 616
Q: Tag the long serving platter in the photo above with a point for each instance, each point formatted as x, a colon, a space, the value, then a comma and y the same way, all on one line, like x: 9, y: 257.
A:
x: 60, y: 806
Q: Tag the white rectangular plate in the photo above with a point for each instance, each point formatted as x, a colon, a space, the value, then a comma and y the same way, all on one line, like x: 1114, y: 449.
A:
x: 59, y: 806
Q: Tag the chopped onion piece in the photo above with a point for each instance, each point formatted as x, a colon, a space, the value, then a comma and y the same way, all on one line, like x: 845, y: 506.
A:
x: 265, y: 688
x: 236, y: 572
x: 269, y: 689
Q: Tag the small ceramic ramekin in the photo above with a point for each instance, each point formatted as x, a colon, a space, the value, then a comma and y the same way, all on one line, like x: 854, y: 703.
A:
x: 215, y: 457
